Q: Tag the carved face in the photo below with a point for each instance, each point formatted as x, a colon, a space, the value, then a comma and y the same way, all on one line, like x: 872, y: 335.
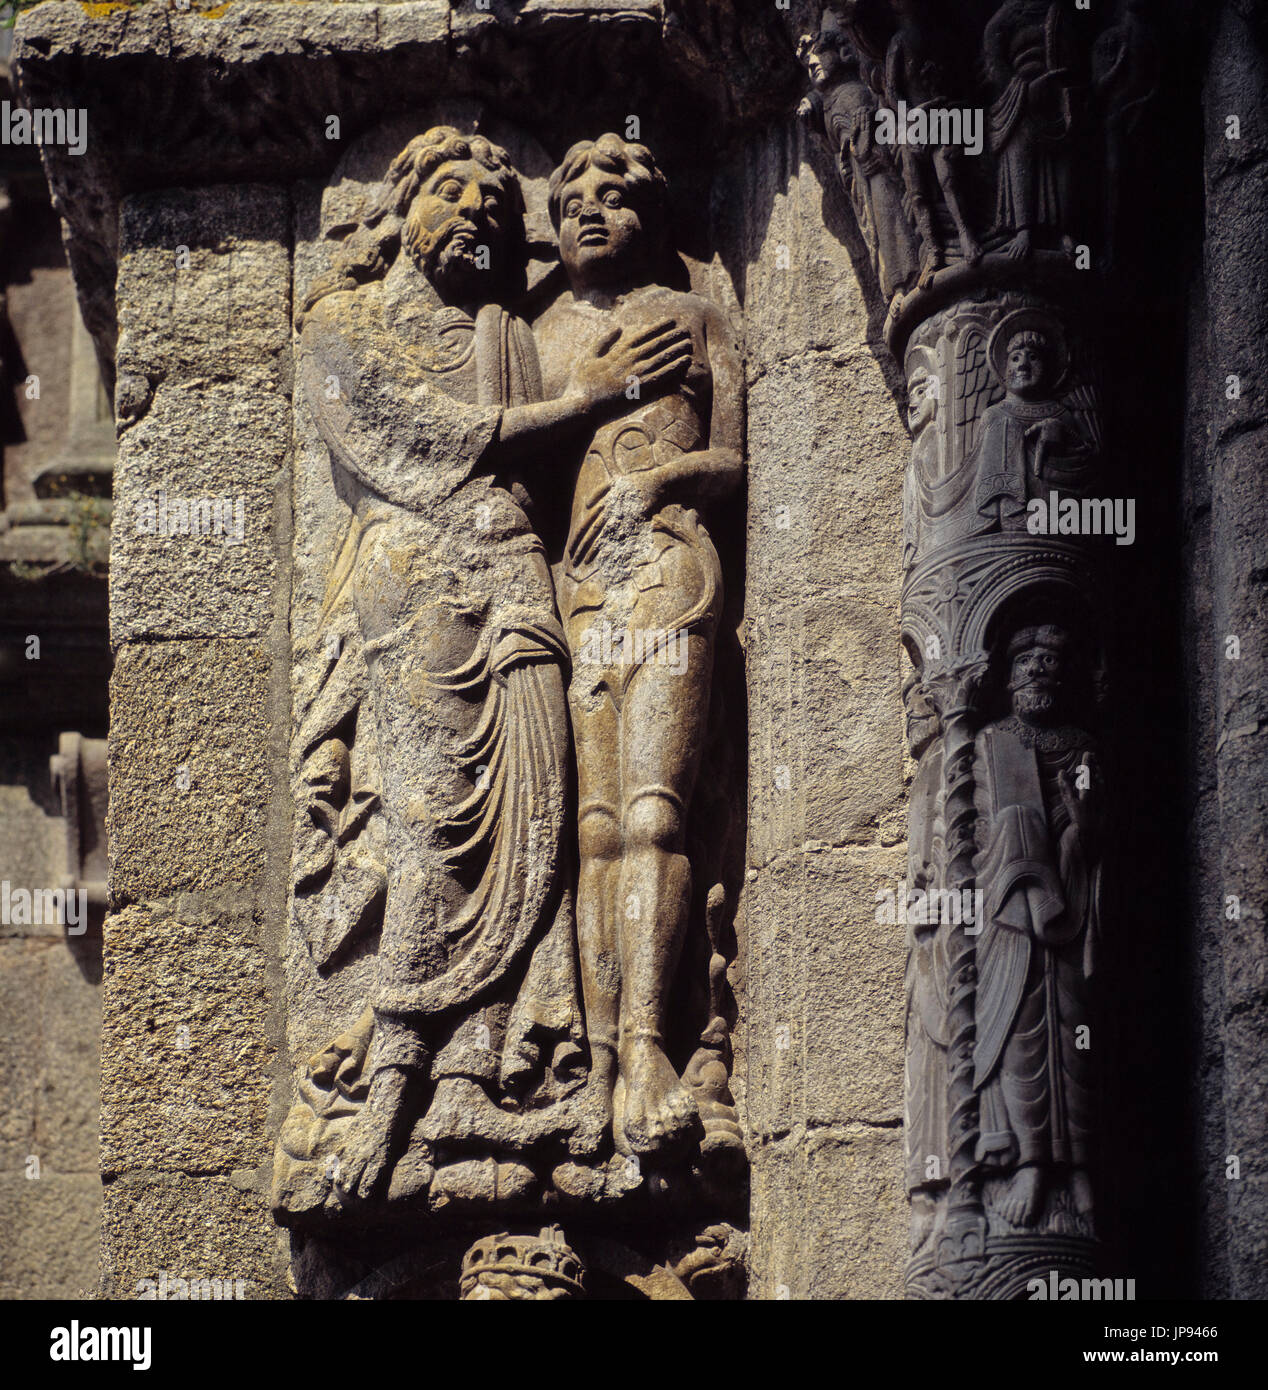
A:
x: 922, y: 399
x: 823, y: 62
x: 1037, y: 683
x: 1026, y: 369
x: 459, y: 209
x: 602, y: 239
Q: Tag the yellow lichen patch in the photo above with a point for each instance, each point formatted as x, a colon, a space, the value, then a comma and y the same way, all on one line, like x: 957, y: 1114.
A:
x: 215, y: 12
x: 99, y: 11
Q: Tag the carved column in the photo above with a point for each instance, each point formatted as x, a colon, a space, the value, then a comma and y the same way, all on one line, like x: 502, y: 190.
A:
x: 981, y: 160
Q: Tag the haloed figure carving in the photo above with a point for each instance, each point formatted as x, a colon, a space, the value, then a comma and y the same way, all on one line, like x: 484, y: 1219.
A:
x: 1040, y: 799
x: 638, y: 564
x: 1031, y: 440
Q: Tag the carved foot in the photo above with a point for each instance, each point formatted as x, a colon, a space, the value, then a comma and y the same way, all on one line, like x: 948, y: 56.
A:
x: 657, y: 1112
x: 1022, y: 1200
x: 593, y: 1117
x: 363, y: 1169
x: 462, y: 1116
x: 928, y: 269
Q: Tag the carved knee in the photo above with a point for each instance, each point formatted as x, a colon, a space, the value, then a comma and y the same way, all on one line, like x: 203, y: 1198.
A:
x: 654, y: 819
x: 598, y: 832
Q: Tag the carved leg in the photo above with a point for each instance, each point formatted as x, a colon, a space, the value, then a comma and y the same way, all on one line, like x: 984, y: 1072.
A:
x: 662, y: 727
x: 595, y: 729
x: 944, y: 165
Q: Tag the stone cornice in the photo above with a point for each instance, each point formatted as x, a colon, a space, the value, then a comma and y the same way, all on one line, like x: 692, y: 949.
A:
x: 243, y: 93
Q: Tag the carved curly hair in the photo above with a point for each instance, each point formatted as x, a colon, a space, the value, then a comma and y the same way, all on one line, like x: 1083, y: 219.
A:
x: 638, y: 170
x: 371, y: 245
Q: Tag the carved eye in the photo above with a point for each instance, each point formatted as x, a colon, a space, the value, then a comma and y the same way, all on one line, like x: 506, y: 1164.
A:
x: 450, y: 190
x: 613, y: 199
x: 572, y: 207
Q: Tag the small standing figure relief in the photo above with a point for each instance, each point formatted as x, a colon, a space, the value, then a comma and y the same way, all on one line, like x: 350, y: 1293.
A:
x: 913, y: 75
x: 1030, y: 122
x: 843, y: 108
x: 1031, y: 441
x: 924, y: 472
x: 1040, y: 817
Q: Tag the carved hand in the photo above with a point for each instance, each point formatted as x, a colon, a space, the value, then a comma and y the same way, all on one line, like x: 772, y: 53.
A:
x: 1084, y: 803
x: 1049, y: 432
x: 655, y: 357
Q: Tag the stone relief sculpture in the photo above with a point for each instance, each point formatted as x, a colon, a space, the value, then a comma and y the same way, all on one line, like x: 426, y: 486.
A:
x: 1003, y: 610
x: 640, y: 595
x: 1052, y: 91
x: 1040, y: 803
x: 916, y: 75
x: 1006, y: 820
x: 1031, y: 441
x: 1029, y: 65
x: 526, y: 939
x: 429, y: 400
x: 843, y: 107
x: 1126, y: 73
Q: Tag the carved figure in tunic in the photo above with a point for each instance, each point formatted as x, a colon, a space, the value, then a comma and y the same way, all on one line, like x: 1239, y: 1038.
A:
x: 1040, y: 807
x: 843, y: 107
x: 1031, y: 441
x: 914, y: 75
x: 640, y: 594
x: 1030, y: 122
x: 427, y: 393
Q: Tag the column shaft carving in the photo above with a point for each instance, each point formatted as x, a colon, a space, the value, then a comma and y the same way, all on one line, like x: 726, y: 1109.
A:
x: 1004, y: 136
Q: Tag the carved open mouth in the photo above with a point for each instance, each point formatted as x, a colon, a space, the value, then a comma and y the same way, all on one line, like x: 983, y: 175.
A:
x: 592, y: 236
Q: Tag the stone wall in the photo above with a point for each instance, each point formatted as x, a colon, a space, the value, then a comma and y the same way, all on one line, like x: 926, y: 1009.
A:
x: 189, y: 252
x: 199, y: 716
x: 827, y: 809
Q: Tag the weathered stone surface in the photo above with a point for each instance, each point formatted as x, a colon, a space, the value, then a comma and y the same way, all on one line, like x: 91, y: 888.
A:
x: 67, y: 1101
x: 188, y: 793
x: 191, y: 1228
x: 833, y: 1218
x: 1231, y: 696
x: 828, y: 1049
x: 822, y: 1013
x: 49, y: 1025
x: 204, y: 284
x: 21, y: 997
x: 785, y: 242
x: 186, y: 1062
x: 50, y: 1246
x: 35, y: 838
x: 212, y: 454
x: 201, y: 373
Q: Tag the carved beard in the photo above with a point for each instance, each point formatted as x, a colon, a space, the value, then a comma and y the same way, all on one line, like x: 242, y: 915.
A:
x: 1035, y: 704
x: 448, y: 261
